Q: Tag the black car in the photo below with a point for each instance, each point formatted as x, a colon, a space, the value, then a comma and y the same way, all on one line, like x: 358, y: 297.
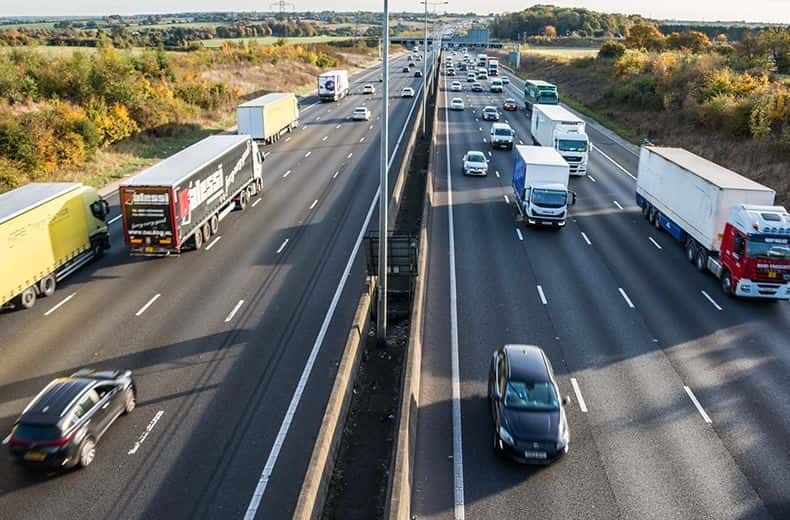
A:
x: 418, y: 74
x: 529, y: 417
x: 63, y: 423
x: 406, y: 69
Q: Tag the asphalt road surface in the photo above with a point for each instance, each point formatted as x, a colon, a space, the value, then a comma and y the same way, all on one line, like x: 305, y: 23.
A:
x: 678, y: 394
x: 234, y: 348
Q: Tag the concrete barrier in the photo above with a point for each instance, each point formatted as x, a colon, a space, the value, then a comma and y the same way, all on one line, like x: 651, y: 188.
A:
x: 322, y: 461
x: 398, y: 505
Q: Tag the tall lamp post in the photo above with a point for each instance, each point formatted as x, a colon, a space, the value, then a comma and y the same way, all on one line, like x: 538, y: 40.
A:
x: 425, y: 64
x: 381, y: 279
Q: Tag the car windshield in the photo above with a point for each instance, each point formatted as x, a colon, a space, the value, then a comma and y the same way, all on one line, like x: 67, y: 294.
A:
x: 360, y: 110
x: 536, y: 397
x: 768, y: 246
x: 475, y: 157
x: 572, y: 145
x: 36, y: 432
x: 549, y: 198
x: 510, y: 101
x: 502, y: 131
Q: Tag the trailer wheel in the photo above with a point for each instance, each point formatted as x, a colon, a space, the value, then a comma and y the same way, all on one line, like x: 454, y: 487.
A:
x: 198, y: 239
x: 47, y: 285
x: 27, y: 299
x: 691, y: 250
x: 726, y: 283
x: 206, y: 232
x: 214, y: 225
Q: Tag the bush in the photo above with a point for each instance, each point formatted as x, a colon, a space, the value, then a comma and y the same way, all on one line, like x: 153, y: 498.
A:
x: 631, y: 64
x: 611, y: 50
x: 10, y: 174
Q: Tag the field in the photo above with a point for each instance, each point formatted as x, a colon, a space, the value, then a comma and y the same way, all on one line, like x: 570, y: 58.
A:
x: 269, y: 40
x: 562, y: 52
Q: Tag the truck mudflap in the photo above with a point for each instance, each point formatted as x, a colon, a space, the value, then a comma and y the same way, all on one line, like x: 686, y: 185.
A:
x: 763, y: 290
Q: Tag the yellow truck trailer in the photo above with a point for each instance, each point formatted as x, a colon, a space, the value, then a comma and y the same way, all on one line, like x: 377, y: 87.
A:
x: 47, y: 231
x: 268, y: 117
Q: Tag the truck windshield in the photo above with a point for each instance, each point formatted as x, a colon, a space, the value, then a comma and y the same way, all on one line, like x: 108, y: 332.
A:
x: 547, y: 98
x: 572, y: 145
x: 768, y: 246
x: 549, y: 198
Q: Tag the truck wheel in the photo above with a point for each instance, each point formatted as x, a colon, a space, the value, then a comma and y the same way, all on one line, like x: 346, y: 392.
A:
x: 645, y: 210
x: 702, y: 259
x: 214, y: 224
x: 198, y: 239
x: 726, y: 283
x: 259, y: 184
x: 27, y: 299
x: 47, y: 286
x: 206, y: 232
x: 657, y: 220
x: 97, y: 249
x: 691, y: 250
x: 243, y: 200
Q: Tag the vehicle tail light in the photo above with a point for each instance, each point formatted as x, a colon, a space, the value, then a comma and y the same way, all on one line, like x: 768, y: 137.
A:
x: 56, y: 442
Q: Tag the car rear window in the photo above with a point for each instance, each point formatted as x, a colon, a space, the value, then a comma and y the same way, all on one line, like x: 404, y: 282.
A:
x: 36, y: 432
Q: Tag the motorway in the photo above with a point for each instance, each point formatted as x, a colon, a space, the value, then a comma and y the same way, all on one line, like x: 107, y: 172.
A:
x: 234, y: 348
x: 678, y: 394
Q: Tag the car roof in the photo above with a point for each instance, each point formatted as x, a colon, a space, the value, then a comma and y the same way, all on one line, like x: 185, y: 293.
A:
x: 477, y: 152
x: 49, y: 406
x: 360, y: 109
x: 489, y: 107
x: 501, y: 125
x: 526, y: 363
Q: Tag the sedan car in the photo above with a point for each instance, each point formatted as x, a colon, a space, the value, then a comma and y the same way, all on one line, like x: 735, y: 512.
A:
x: 361, y: 114
x: 368, y: 89
x: 470, y: 77
x: 529, y: 418
x: 457, y: 104
x: 407, y: 92
x: 418, y: 74
x: 63, y: 423
x: 475, y: 163
x: 451, y: 72
x: 406, y: 69
x: 505, y: 80
x: 490, y: 113
x: 510, y: 105
x: 456, y: 86
x: 477, y: 87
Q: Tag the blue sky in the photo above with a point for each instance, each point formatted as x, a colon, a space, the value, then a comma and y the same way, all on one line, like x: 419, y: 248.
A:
x: 749, y: 10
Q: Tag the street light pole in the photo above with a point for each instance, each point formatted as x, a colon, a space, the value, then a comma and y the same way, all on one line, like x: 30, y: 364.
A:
x: 381, y: 279
x: 425, y: 71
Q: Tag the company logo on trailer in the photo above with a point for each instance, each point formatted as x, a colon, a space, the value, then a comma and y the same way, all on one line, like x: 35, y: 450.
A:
x: 139, y: 197
x: 329, y: 84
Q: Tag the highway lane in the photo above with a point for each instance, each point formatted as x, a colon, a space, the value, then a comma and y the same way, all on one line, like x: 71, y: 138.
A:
x: 642, y: 449
x: 218, y: 353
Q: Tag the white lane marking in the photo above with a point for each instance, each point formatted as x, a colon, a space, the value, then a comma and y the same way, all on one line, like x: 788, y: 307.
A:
x: 711, y: 300
x: 520, y: 141
x: 256, y: 202
x: 349, y: 155
x: 520, y: 236
x: 481, y: 128
x: 591, y: 178
x: 613, y: 161
x: 617, y: 204
x: 336, y: 174
x: 584, y: 236
x: 361, y: 139
x: 325, y: 138
x: 625, y: 297
x: 114, y: 219
x: 371, y: 127
x: 308, y: 154
x: 217, y: 239
x: 313, y: 204
x: 139, y: 442
x: 507, y: 200
x: 484, y: 139
x: 337, y: 126
x: 578, y: 392
x: 286, y: 174
x: 150, y: 302
x: 542, y: 296
x: 234, y: 311
x: 497, y: 174
x: 280, y: 249
x: 285, y: 426
x: 655, y: 243
x: 287, y: 139
x: 700, y: 409
x: 318, y: 118
x: 60, y: 304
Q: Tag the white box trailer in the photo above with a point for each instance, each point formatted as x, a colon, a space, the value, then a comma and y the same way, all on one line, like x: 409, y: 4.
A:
x: 694, y: 193
x: 558, y: 127
x: 268, y: 117
x: 333, y: 85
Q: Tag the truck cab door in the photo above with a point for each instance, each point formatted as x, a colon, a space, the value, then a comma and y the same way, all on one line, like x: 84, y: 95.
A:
x: 257, y: 161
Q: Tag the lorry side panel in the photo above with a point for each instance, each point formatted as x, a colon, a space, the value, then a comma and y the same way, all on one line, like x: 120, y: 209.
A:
x: 519, y: 175
x: 41, y: 240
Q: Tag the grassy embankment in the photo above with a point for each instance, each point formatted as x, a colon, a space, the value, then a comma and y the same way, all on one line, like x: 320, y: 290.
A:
x: 697, y: 102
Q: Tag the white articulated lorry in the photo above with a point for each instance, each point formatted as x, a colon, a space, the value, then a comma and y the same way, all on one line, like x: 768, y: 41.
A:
x: 333, y: 85
x: 726, y: 222
x: 540, y: 186
x: 268, y: 117
x: 556, y: 126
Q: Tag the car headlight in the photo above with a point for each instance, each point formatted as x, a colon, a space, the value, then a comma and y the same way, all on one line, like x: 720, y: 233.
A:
x: 505, y: 436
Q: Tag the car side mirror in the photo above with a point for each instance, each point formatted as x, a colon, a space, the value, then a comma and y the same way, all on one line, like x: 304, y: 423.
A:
x: 566, y: 400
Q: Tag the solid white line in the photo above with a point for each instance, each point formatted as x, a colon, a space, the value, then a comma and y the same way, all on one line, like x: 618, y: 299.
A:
x: 60, y: 304
x: 617, y: 204
x: 217, y: 239
x: 280, y: 249
x: 256, y: 202
x: 150, y: 302
x: 286, y: 174
x: 584, y: 236
x: 520, y: 236
x: 711, y: 300
x: 612, y: 161
x: 591, y: 178
x: 307, y: 154
x: 139, y: 442
x: 700, y: 409
x: 507, y: 200
x: 314, y: 203
x: 542, y: 296
x: 578, y: 392
x: 336, y: 174
x: 655, y: 243
x: 625, y: 297
x: 114, y: 219
x: 234, y: 311
x: 458, y: 453
x: 349, y: 155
